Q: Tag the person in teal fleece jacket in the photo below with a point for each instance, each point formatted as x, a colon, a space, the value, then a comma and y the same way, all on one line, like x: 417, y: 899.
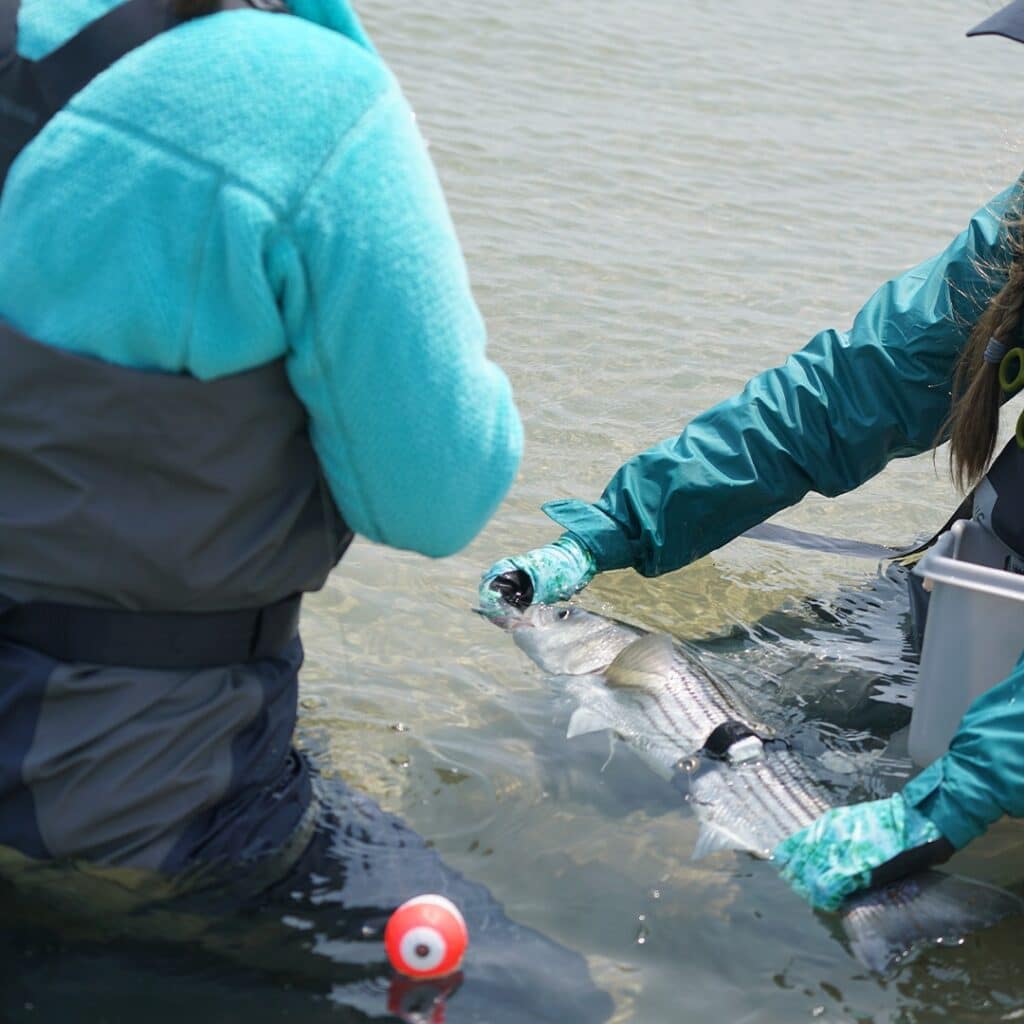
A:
x: 238, y: 208
x: 919, y: 365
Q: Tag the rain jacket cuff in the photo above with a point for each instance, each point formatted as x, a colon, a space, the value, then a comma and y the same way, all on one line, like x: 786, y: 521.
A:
x: 981, y: 777
x: 597, y: 532
x: 930, y: 795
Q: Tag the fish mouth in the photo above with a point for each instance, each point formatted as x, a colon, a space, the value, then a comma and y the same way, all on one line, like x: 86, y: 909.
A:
x: 506, y: 617
x: 533, y: 616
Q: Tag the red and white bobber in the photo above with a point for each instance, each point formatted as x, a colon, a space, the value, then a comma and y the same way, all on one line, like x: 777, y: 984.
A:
x: 426, y: 937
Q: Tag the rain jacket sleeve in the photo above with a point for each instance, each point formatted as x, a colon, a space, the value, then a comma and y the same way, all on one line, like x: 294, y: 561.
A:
x: 826, y: 421
x: 981, y: 777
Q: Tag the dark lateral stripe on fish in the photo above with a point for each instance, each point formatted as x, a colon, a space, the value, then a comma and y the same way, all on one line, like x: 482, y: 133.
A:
x: 711, y: 710
x: 798, y: 785
x: 689, y: 681
x: 728, y: 794
x: 775, y: 797
x: 807, y: 798
x: 687, y: 693
x: 645, y: 708
x: 675, y: 712
x: 764, y: 794
x: 769, y: 793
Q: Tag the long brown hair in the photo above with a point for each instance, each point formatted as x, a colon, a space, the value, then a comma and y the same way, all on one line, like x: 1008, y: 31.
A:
x: 973, y: 421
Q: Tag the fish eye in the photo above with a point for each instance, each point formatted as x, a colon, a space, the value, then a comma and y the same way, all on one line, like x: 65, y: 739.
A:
x: 565, y: 613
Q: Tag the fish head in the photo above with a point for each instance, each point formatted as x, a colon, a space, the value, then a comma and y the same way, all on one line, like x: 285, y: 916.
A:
x: 565, y: 639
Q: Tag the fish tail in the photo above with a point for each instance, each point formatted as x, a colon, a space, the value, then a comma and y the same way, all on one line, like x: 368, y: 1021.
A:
x: 886, y: 924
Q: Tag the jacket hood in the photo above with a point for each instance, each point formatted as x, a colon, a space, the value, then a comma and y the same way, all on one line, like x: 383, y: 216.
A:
x: 337, y: 15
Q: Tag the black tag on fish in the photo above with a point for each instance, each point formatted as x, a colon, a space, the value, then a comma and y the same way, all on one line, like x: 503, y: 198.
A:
x: 718, y: 744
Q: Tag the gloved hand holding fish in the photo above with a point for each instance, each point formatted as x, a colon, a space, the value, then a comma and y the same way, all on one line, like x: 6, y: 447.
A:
x: 753, y: 791
x: 546, y: 574
x: 847, y: 848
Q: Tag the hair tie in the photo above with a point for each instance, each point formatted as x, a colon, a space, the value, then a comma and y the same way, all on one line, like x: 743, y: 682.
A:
x: 994, y: 352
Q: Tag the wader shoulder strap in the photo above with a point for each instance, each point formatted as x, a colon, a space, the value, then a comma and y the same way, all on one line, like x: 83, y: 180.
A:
x: 998, y: 498
x: 32, y: 92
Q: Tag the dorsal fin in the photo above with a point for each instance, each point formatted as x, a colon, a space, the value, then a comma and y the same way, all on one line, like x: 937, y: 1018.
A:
x: 644, y: 665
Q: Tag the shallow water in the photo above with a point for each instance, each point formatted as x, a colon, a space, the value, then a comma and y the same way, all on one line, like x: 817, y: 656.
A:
x: 656, y: 200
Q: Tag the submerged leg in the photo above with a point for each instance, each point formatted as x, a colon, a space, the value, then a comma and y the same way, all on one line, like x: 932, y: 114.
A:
x: 146, y: 808
x: 362, y: 863
x: 311, y: 937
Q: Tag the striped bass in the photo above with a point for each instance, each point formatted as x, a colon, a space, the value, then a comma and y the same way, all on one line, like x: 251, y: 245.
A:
x: 748, y: 789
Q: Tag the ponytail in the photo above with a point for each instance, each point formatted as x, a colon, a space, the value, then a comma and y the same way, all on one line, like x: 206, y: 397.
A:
x: 973, y: 421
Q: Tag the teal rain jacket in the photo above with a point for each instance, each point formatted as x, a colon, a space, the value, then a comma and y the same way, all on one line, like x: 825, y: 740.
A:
x: 249, y: 187
x: 827, y: 420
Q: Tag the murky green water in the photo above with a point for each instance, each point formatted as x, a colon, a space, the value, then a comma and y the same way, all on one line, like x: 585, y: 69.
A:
x: 656, y: 200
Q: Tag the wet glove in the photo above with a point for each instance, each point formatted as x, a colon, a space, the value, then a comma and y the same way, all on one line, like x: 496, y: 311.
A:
x: 850, y: 848
x: 541, y: 576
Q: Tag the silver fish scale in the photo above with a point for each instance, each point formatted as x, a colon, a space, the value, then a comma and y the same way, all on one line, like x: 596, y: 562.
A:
x: 758, y: 804
x: 690, y: 703
x: 752, y: 805
x: 675, y: 718
x: 686, y: 709
x: 693, y: 690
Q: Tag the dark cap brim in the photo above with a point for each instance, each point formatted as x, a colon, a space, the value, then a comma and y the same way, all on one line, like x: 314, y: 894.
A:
x: 1008, y: 22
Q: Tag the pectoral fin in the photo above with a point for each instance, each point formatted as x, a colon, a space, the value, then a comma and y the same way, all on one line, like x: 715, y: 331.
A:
x: 585, y: 721
x: 714, y: 837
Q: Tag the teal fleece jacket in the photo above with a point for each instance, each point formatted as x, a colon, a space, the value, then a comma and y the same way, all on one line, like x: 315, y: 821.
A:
x: 251, y: 186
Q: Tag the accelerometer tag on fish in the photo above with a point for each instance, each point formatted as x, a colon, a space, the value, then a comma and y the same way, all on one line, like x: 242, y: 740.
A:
x: 734, y: 742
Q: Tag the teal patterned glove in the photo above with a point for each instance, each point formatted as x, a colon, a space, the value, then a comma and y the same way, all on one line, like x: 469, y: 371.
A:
x: 837, y: 854
x: 541, y: 576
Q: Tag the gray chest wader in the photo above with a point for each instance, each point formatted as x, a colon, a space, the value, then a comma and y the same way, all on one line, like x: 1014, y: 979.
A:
x: 996, y: 504
x: 146, y: 519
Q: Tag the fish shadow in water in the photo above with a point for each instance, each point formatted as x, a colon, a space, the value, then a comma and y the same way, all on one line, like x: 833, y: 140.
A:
x: 601, y: 772
x: 848, y: 660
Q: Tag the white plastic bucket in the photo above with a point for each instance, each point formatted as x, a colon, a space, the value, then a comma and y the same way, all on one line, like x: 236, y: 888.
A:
x: 974, y: 633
